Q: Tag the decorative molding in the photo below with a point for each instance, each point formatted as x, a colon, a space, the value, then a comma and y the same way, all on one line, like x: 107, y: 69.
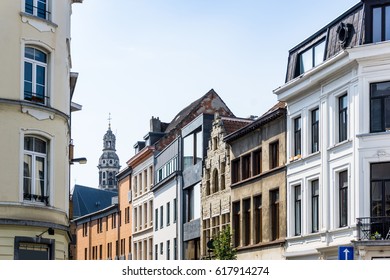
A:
x: 41, y: 25
x: 38, y: 114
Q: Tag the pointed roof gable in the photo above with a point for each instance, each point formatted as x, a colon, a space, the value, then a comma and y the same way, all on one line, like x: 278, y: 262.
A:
x: 207, y: 104
x: 210, y: 103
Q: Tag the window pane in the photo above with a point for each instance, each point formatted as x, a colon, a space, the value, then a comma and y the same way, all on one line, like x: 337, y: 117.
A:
x: 28, y: 71
x: 319, y: 51
x: 199, y: 147
x: 297, y: 210
x: 27, y: 172
x: 188, y: 151
x: 387, y: 199
x: 380, y: 171
x: 41, y: 9
x: 343, y: 197
x: 40, y: 56
x: 315, y: 130
x: 376, y: 199
x: 297, y: 136
x: 41, y: 74
x: 387, y: 24
x: 315, y: 205
x: 380, y: 89
x: 40, y: 146
x: 29, y: 6
x: 387, y: 114
x: 28, y: 143
x: 376, y: 115
x: 377, y: 25
x: 343, y: 118
x: 29, y: 53
x: 40, y: 176
x: 306, y: 61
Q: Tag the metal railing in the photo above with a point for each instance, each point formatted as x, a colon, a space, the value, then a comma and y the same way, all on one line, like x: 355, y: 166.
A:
x: 373, y: 228
x: 33, y: 97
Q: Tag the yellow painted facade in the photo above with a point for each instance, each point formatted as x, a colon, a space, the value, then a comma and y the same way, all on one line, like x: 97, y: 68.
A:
x: 25, y: 216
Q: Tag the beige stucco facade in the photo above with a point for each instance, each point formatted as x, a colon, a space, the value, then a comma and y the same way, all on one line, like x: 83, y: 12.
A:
x: 258, y: 187
x: 25, y: 215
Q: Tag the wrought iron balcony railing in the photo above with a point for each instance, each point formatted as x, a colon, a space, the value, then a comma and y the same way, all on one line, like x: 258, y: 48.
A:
x: 373, y: 228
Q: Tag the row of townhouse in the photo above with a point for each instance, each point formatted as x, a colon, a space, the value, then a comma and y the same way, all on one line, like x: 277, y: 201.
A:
x: 176, y: 192
x: 302, y: 181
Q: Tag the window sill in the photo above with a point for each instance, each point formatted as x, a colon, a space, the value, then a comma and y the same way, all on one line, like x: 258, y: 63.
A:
x: 259, y: 176
x: 373, y: 134
x: 340, y: 144
x: 41, y: 24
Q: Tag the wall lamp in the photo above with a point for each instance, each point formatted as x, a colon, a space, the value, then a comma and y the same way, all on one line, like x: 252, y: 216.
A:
x: 81, y: 160
x: 50, y: 231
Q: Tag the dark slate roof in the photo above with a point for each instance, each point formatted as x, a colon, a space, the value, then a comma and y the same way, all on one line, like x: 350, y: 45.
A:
x: 87, y: 200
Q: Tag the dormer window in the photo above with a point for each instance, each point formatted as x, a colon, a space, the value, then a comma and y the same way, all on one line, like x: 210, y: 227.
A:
x: 380, y: 24
x: 310, y: 58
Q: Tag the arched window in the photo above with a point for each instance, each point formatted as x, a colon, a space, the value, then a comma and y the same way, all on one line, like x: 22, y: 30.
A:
x: 35, y: 169
x: 207, y: 182
x: 35, y: 75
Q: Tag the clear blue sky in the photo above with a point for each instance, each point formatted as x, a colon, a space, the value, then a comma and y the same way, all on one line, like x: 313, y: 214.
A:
x: 142, y: 58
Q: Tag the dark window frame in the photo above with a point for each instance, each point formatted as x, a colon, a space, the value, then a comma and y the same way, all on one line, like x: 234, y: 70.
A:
x: 274, y: 154
x: 315, y: 130
x: 256, y: 162
x: 275, y: 214
x: 246, y: 166
x: 369, y: 26
x: 343, y: 118
x: 257, y: 219
x: 236, y: 170
x: 315, y: 200
x: 297, y: 210
x: 297, y: 136
x: 343, y: 198
x: 375, y: 114
x: 312, y: 48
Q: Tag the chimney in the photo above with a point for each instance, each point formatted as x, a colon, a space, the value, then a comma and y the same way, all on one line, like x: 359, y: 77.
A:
x: 155, y: 124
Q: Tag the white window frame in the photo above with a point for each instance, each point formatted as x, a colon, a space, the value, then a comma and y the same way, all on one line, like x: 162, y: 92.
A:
x: 35, y: 64
x: 35, y: 9
x: 49, y: 139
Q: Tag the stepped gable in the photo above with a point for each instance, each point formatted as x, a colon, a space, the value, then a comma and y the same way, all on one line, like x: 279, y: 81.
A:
x: 210, y: 103
x: 87, y: 200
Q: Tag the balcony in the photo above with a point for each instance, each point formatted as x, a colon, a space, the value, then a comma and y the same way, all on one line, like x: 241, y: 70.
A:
x: 373, y: 228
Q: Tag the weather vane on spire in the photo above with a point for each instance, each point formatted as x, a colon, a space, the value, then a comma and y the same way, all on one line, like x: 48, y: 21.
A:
x: 109, y: 120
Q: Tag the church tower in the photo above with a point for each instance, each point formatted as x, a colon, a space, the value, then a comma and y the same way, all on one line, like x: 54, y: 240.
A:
x: 108, y: 162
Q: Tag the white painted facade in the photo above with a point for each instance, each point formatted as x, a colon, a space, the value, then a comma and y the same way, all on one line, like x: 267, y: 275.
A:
x: 142, y: 180
x: 350, y: 72
x: 166, y: 231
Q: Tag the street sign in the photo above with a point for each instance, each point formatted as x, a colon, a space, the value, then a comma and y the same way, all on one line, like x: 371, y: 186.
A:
x: 345, y: 253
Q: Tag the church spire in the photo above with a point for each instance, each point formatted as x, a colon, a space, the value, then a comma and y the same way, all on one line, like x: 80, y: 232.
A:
x: 109, y: 161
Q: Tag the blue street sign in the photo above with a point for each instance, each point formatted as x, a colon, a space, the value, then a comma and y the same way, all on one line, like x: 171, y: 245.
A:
x: 345, y: 253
